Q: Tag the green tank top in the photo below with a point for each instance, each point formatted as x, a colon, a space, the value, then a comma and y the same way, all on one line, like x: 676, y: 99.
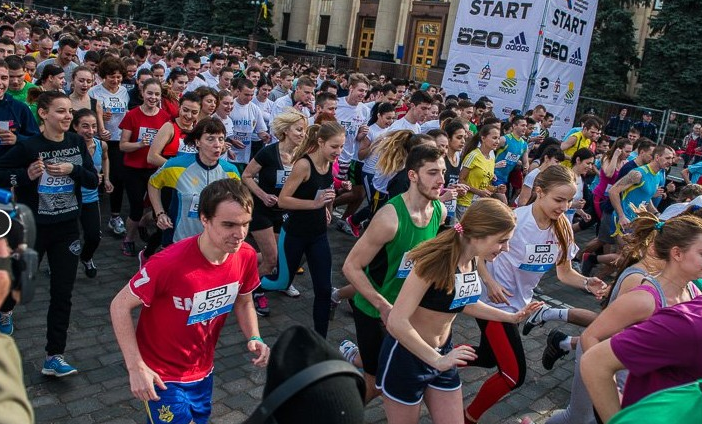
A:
x: 389, y: 268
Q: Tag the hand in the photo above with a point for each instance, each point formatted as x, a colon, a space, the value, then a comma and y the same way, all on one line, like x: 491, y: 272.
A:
x: 362, y: 132
x: 459, y: 356
x: 624, y: 222
x: 501, y: 189
x: 59, y: 169
x: 237, y: 144
x: 585, y: 216
x: 106, y: 115
x: 142, y: 381
x: 261, y: 350
x: 579, y: 204
x: 448, y: 195
x: 164, y: 222
x: 105, y: 135
x: 329, y: 215
x: 659, y: 192
x: 327, y: 196
x: 597, y: 287
x: 484, y: 193
x: 526, y: 311
x: 670, y: 187
x: 461, y: 189
x: 269, y: 199
x: 498, y: 294
x: 109, y: 188
x: 8, y: 137
x: 265, y: 137
x: 501, y: 164
x: 346, y: 185
x: 35, y: 170
x: 385, y: 312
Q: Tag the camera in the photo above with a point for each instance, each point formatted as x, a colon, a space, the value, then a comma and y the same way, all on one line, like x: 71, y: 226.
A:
x: 20, y: 231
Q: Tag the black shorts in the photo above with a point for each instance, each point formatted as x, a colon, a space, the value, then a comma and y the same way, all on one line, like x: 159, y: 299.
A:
x: 370, y: 333
x: 404, y: 378
x: 355, y: 173
x: 264, y: 217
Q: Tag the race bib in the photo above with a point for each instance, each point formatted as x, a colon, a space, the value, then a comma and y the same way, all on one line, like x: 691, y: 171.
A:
x: 511, y: 157
x: 539, y: 257
x: 51, y: 185
x: 245, y: 138
x: 281, y: 176
x: 467, y: 289
x: 193, y: 210
x: 211, y: 303
x: 114, y: 105
x: 450, y: 208
x: 146, y: 135
x: 405, y: 267
x: 186, y: 148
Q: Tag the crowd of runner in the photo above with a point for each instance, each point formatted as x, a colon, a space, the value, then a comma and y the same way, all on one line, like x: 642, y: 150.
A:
x: 455, y: 211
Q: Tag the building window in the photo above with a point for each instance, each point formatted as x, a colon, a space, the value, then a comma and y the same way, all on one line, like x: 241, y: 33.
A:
x: 323, y: 30
x: 286, y: 26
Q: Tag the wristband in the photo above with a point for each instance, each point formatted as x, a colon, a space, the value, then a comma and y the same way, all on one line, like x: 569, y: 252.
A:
x: 160, y: 213
x: 256, y: 338
x: 587, y: 289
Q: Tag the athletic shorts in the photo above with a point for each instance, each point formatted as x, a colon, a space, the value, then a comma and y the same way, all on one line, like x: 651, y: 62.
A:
x: 606, y: 228
x: 355, y: 173
x: 370, y: 333
x: 404, y: 378
x: 182, y: 403
x: 264, y: 217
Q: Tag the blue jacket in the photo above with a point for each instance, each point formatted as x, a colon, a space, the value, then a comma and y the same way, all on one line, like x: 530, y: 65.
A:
x: 20, y: 118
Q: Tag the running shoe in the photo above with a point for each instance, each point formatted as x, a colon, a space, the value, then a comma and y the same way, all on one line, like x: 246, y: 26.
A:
x: 344, y: 226
x: 90, y: 268
x: 116, y: 225
x: 348, y: 350
x: 535, y: 320
x: 261, y: 304
x: 552, y: 351
x: 129, y: 248
x: 335, y: 302
x: 57, y: 366
x: 7, y: 325
x: 355, y: 229
x: 292, y: 291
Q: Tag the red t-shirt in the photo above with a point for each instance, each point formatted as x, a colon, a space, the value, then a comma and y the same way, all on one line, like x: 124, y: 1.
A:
x: 175, y: 340
x: 171, y: 107
x: 142, y: 127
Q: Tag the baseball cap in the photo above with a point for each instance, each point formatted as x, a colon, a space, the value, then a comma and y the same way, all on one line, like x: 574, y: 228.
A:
x: 648, y: 113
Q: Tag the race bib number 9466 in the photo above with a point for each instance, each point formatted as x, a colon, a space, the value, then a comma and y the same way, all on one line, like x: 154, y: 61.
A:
x: 208, y: 304
x: 539, y: 257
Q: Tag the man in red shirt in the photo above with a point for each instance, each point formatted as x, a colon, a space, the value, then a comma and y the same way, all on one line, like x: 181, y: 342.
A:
x: 185, y: 293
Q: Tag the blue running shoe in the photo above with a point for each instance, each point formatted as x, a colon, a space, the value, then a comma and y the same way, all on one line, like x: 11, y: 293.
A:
x: 57, y: 366
x: 6, y: 324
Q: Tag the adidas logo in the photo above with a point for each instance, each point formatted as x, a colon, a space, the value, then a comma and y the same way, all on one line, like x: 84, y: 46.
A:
x: 518, y: 44
x: 576, y: 58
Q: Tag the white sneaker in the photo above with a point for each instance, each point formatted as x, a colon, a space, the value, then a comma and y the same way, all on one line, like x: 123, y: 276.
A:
x: 117, y: 225
x: 348, y: 350
x: 292, y: 291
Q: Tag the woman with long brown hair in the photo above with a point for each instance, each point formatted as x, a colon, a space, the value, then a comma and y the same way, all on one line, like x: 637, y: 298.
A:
x: 418, y: 360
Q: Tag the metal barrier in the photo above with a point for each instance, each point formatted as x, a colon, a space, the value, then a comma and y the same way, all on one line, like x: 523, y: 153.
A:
x: 607, y: 109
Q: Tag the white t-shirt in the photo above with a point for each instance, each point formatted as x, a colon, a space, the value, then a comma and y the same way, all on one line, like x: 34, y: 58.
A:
x: 351, y: 118
x: 210, y: 79
x: 531, y: 177
x: 148, y: 65
x: 246, y: 120
x: 430, y: 125
x: 404, y: 124
x: 266, y: 109
x: 374, y: 134
x: 195, y: 84
x: 283, y: 103
x: 114, y: 102
x: 570, y: 213
x: 532, y: 252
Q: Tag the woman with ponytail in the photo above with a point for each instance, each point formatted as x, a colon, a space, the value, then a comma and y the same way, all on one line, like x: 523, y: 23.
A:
x: 307, y: 196
x: 678, y: 243
x: 418, y: 358
x: 543, y: 240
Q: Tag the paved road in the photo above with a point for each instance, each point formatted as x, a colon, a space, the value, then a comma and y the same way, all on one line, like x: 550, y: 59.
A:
x: 100, y: 391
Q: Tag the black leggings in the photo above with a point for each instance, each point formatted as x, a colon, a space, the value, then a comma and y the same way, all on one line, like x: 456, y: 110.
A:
x: 61, y: 243
x: 90, y: 222
x: 136, y: 182
x: 116, y: 157
x: 318, y: 253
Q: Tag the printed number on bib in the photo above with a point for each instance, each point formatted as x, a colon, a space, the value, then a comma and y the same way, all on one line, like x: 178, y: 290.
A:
x: 450, y: 208
x: 539, y: 257
x: 467, y: 289
x: 211, y: 303
x: 146, y: 135
x: 193, y: 210
x: 511, y: 157
x: 281, y: 176
x: 61, y: 184
x: 405, y: 267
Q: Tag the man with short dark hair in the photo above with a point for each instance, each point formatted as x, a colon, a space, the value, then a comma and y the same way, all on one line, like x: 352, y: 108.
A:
x: 246, y: 119
x: 193, y: 285
x: 211, y: 76
x: 17, y: 87
x: 647, y: 127
x: 419, y: 105
x: 64, y: 59
x: 618, y: 125
x: 192, y: 67
x: 301, y: 99
x: 283, y: 88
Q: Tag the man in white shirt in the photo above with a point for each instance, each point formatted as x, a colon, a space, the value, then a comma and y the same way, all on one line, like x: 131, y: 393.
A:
x: 192, y: 67
x: 246, y: 118
x: 211, y: 76
x: 419, y: 108
x: 301, y: 99
x: 283, y: 88
x: 155, y: 56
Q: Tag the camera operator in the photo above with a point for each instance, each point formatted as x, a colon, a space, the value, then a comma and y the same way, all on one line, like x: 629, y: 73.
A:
x: 13, y: 396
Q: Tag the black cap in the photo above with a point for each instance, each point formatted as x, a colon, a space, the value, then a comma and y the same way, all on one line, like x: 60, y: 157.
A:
x: 333, y: 400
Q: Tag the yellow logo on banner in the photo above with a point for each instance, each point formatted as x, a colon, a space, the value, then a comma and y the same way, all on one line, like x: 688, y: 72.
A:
x: 508, y: 84
x: 570, y: 94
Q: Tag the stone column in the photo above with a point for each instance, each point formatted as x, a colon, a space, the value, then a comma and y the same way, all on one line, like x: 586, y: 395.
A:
x: 386, y: 30
x: 339, y: 27
x: 297, y: 33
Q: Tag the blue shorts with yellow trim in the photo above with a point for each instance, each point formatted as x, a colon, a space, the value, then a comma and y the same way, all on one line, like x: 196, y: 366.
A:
x: 182, y: 403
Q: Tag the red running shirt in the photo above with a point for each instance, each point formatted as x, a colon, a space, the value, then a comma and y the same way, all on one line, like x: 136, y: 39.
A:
x: 143, y: 127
